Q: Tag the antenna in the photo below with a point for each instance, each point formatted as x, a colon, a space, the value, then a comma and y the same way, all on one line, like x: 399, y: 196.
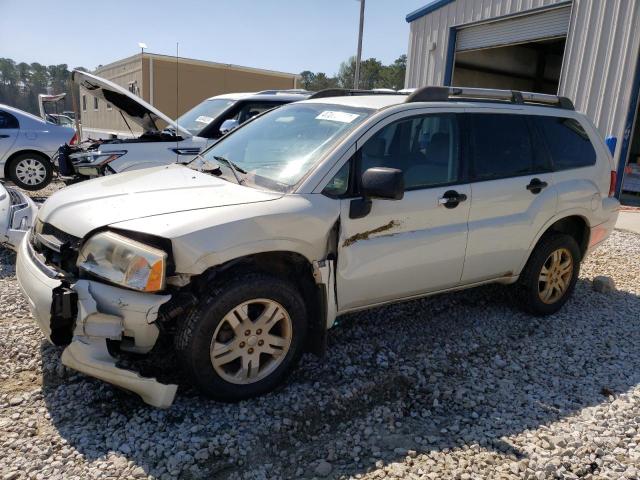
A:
x: 177, y: 103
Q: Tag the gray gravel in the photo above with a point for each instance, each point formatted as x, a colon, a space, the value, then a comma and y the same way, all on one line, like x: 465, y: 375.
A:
x: 458, y: 386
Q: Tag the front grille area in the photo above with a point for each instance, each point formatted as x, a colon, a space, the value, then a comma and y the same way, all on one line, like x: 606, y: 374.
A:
x: 59, y: 249
x: 15, y: 197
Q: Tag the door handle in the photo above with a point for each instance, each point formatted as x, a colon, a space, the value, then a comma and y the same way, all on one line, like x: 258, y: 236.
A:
x: 451, y: 199
x: 536, y: 185
x: 4, y: 136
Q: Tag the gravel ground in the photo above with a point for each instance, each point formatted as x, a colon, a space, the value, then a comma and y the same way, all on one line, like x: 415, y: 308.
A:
x: 455, y: 386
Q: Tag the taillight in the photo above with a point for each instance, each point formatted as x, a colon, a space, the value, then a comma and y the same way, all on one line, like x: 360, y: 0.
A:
x: 612, y: 183
x: 74, y: 139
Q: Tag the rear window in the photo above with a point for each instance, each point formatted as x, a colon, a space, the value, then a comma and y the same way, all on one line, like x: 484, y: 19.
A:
x: 568, y: 143
x: 501, y: 146
x: 8, y: 121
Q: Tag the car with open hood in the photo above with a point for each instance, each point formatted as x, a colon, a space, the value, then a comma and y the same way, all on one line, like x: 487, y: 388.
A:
x: 342, y: 202
x: 163, y: 140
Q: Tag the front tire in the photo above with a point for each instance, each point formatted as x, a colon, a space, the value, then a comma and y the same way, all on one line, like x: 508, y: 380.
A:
x: 244, y: 338
x: 550, y: 276
x: 30, y: 171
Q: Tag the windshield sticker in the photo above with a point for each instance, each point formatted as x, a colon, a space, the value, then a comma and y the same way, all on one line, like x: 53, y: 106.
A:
x: 204, y: 119
x: 342, y: 117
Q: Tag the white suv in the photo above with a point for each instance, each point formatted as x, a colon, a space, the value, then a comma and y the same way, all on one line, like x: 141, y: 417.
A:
x: 315, y: 209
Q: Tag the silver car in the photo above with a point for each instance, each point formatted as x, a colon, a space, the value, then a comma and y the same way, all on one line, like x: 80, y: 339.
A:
x: 27, y: 144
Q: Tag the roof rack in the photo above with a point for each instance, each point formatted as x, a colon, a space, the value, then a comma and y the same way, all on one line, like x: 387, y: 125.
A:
x: 347, y: 92
x: 300, y: 91
x: 444, y: 94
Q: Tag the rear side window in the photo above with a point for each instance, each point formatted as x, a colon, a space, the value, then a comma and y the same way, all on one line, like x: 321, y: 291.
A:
x: 8, y: 121
x: 501, y: 146
x: 568, y: 143
x: 250, y: 110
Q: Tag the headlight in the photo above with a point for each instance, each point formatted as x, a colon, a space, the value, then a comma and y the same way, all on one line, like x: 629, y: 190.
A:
x: 124, y: 261
x: 91, y: 164
x: 96, y: 159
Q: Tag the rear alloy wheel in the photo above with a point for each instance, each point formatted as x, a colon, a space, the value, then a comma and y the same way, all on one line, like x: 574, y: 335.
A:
x: 244, y: 337
x: 550, y: 276
x: 555, y: 276
x: 30, y: 171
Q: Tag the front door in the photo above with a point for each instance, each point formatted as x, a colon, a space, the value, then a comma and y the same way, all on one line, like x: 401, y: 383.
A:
x: 513, y: 193
x: 415, y: 245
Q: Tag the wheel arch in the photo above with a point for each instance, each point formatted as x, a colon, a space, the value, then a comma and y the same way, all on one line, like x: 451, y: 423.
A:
x: 575, y: 224
x: 289, y: 265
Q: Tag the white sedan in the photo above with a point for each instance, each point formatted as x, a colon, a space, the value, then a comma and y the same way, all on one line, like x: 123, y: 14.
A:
x: 27, y: 144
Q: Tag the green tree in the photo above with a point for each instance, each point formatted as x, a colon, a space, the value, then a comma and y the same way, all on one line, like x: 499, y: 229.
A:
x: 21, y: 83
x: 392, y: 76
x: 317, y: 81
x: 370, y: 73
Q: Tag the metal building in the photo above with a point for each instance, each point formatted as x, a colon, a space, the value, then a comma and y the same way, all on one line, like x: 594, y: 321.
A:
x: 173, y: 86
x: 586, y: 50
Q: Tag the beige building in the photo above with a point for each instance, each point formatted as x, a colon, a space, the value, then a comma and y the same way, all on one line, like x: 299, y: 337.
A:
x: 155, y: 78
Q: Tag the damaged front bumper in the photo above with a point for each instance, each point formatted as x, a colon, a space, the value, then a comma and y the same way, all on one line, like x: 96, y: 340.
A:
x: 85, y: 314
x: 17, y: 212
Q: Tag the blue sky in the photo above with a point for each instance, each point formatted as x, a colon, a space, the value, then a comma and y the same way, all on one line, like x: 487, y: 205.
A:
x: 284, y: 35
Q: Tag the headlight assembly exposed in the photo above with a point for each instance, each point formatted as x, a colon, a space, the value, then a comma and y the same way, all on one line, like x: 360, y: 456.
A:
x: 124, y: 261
x: 96, y: 159
x: 92, y: 164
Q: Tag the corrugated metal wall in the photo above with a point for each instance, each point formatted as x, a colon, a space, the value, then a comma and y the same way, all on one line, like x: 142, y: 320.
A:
x: 600, y: 61
x: 600, y: 58
x: 426, y: 67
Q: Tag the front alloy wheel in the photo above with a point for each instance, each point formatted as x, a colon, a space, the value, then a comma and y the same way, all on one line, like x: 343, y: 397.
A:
x: 251, y: 341
x: 244, y: 337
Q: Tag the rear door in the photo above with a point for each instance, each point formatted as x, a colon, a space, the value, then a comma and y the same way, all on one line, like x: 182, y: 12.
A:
x: 402, y: 248
x: 513, y: 193
x: 9, y: 128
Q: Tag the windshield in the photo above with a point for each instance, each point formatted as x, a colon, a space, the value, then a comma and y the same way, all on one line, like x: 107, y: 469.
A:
x: 277, y: 149
x: 203, y: 114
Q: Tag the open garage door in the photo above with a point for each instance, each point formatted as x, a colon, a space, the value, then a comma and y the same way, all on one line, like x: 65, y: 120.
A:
x: 523, y: 52
x: 544, y: 25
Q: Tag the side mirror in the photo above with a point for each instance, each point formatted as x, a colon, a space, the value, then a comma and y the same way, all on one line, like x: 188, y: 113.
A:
x: 378, y: 182
x: 382, y: 182
x: 228, y: 125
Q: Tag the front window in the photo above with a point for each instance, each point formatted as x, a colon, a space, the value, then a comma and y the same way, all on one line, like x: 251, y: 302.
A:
x: 278, y: 149
x: 203, y: 114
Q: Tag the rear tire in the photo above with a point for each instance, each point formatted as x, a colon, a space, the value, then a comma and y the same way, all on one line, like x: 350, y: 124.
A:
x: 244, y: 338
x: 550, y: 276
x: 30, y: 171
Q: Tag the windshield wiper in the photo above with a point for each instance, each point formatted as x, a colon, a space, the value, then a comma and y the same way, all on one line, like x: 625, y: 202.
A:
x: 235, y: 169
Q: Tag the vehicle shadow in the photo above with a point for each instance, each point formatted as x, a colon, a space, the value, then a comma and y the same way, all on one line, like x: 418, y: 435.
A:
x: 7, y: 263
x: 467, y: 369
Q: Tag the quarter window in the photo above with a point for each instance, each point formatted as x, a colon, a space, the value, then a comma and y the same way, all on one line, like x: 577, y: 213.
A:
x: 339, y: 184
x: 8, y: 121
x: 501, y: 146
x: 425, y: 148
x: 568, y: 143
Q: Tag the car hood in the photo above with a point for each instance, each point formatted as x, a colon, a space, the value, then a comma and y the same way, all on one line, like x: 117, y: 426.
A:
x: 83, y: 207
x: 131, y: 105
